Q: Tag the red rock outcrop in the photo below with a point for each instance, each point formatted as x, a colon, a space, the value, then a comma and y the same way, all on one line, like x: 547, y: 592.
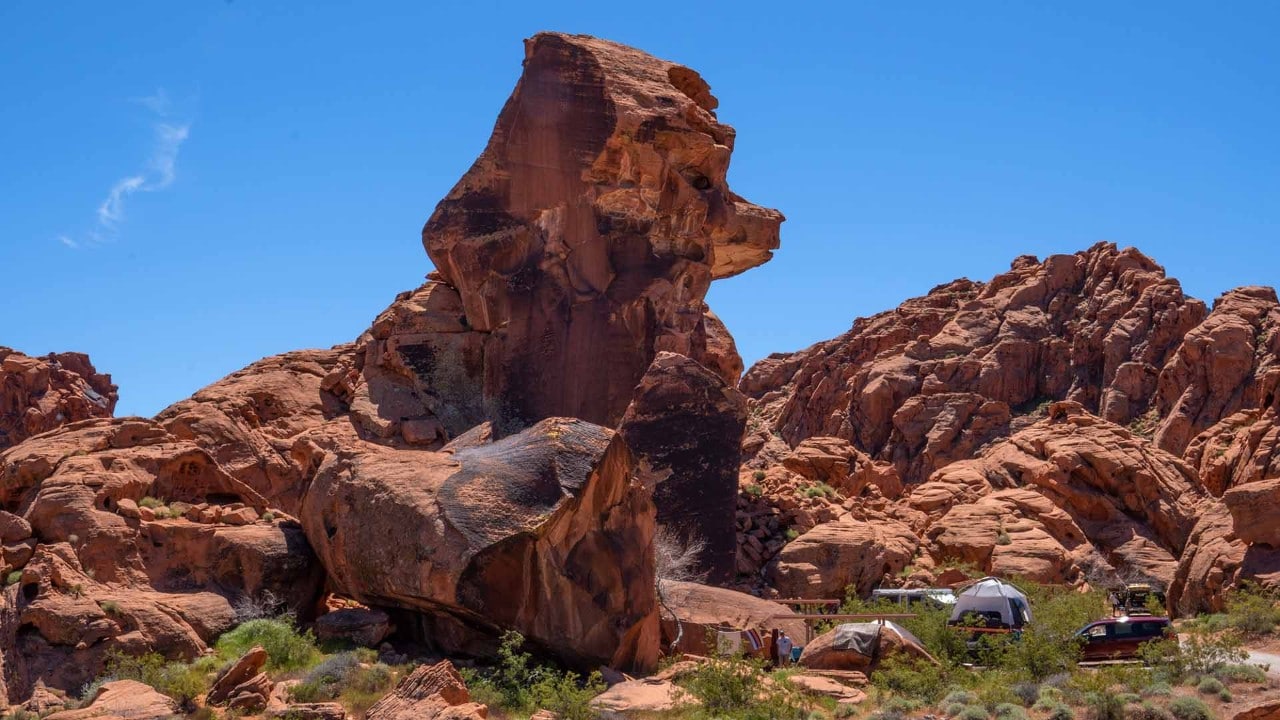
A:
x: 38, y: 394
x: 685, y: 427
x: 580, y: 244
x: 544, y: 531
x: 932, y: 381
x: 123, y: 700
x: 430, y: 692
x: 972, y: 369
x: 1229, y: 363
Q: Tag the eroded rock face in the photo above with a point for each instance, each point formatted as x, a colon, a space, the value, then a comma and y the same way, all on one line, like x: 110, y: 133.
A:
x: 545, y: 531
x: 430, y: 691
x: 582, y: 241
x: 932, y: 381
x: 1172, y: 407
x: 99, y: 572
x: 685, y: 428
x: 38, y: 394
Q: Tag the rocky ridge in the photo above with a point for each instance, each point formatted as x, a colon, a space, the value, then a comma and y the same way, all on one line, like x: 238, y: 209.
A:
x: 1075, y: 420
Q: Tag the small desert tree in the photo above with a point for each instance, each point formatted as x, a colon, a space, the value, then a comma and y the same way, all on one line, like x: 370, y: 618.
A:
x: 675, y: 560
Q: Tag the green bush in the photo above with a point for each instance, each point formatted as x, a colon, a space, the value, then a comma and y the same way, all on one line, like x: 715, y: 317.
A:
x: 180, y: 681
x: 13, y: 577
x: 1240, y: 673
x: 1061, y: 711
x: 953, y: 709
x: 1210, y: 686
x: 914, y: 678
x: 1200, y: 652
x: 287, y: 648
x: 1048, y: 697
x: 1009, y: 711
x: 1147, y: 711
x: 1097, y: 693
x: 565, y: 696
x: 1157, y: 689
x: 962, y: 697
x: 1252, y: 610
x: 150, y: 502
x: 900, y: 704
x: 739, y: 690
x: 973, y: 712
x: 518, y: 686
x: 340, y: 675
x: 1189, y: 708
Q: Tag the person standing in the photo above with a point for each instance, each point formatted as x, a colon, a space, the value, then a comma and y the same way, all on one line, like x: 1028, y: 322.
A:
x: 784, y: 650
x: 771, y: 651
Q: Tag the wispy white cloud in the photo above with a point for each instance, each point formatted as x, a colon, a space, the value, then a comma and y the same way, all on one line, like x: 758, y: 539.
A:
x: 159, y: 173
x: 157, y: 102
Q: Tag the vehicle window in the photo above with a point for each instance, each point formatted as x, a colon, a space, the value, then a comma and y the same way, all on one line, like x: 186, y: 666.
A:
x: 1122, y: 630
x: 1097, y: 631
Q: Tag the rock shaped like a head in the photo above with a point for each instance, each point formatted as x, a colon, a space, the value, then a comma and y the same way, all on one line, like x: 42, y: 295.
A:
x: 585, y: 237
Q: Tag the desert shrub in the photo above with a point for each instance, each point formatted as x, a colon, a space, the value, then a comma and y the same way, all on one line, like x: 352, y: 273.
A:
x: 110, y: 607
x: 1097, y: 693
x: 1209, y: 686
x: 1002, y: 538
x: 565, y: 696
x: 953, y: 709
x: 1061, y: 711
x: 1226, y: 696
x: 912, y: 677
x: 1028, y: 692
x: 13, y: 577
x: 519, y: 686
x: 150, y: 502
x: 1048, y: 645
x: 1240, y: 673
x: 754, y: 490
x: 1157, y: 689
x: 1147, y: 711
x: 1252, y: 610
x: 1199, y: 653
x: 1189, y: 708
x: 961, y: 697
x: 973, y: 712
x: 739, y: 690
x: 1010, y: 711
x: 180, y: 681
x: 995, y: 688
x: 758, y: 475
x: 287, y: 648
x: 900, y: 704
x: 1048, y: 696
x: 265, y: 604
x: 342, y: 675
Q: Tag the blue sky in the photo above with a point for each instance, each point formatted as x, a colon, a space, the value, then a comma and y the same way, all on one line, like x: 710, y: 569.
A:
x: 187, y: 187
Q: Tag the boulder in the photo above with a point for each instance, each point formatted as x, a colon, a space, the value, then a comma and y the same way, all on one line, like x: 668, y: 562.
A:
x: 1255, y: 511
x: 122, y: 700
x: 544, y: 531
x: 359, y: 626
x: 227, y: 683
x: 649, y: 695
x: 430, y: 692
x: 861, y: 647
x: 312, y: 711
x: 845, y: 554
x: 827, y: 687
x: 702, y: 609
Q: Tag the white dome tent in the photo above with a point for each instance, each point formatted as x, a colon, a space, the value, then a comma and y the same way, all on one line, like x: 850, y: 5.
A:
x: 996, y: 602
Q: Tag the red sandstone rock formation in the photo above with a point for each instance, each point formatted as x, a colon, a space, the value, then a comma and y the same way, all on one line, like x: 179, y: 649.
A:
x: 580, y: 244
x: 40, y: 394
x: 914, y: 393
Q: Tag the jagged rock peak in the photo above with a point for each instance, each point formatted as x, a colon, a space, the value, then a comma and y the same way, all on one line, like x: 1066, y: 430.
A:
x: 584, y: 238
x: 38, y: 394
